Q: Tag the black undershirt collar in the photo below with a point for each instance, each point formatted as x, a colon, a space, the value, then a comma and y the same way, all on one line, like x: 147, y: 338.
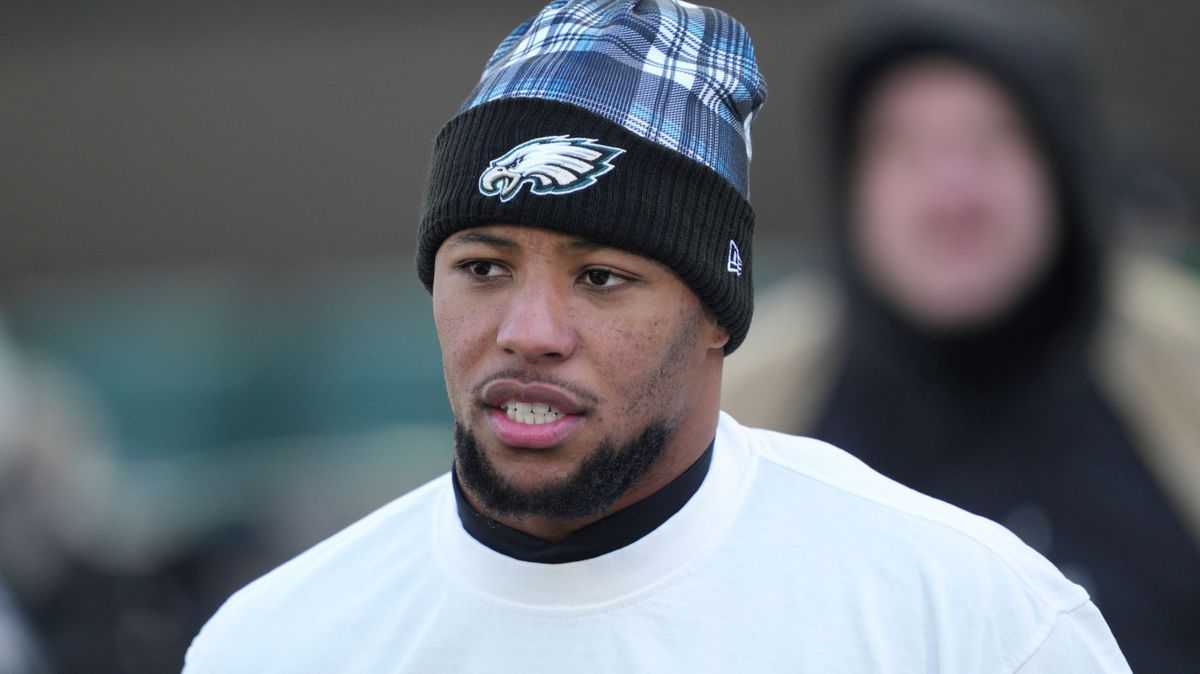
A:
x: 598, y: 538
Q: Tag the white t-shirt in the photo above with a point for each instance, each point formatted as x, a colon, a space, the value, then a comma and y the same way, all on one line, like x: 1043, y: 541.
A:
x: 791, y: 557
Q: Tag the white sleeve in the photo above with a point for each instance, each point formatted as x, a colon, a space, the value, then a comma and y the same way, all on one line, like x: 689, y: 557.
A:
x: 1079, y: 641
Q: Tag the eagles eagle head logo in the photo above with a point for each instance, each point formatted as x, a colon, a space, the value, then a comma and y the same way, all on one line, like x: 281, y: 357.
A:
x: 549, y: 165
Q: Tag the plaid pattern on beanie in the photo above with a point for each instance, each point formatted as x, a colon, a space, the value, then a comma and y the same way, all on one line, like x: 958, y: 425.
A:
x: 674, y: 73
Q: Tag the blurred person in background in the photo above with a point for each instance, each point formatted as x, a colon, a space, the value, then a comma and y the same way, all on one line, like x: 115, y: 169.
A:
x: 71, y: 599
x: 985, y: 345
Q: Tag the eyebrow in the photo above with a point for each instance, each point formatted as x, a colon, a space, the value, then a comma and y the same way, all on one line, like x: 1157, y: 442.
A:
x: 582, y: 246
x: 484, y: 238
x: 575, y: 245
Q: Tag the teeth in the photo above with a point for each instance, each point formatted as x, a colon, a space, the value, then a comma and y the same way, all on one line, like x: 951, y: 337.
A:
x: 532, y: 413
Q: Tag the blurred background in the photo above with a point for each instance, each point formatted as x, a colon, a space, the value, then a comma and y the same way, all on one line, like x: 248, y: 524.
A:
x: 214, y: 350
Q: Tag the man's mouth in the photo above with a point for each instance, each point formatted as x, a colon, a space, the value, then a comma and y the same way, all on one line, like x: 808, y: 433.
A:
x: 531, y: 412
x: 533, y: 415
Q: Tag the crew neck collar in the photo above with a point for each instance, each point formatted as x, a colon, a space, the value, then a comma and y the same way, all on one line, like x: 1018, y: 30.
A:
x: 616, y: 577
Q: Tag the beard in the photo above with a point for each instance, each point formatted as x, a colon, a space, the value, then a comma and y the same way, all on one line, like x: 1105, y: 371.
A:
x: 604, y: 476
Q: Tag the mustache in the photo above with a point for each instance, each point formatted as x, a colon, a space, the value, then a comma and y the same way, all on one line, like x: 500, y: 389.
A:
x: 528, y: 377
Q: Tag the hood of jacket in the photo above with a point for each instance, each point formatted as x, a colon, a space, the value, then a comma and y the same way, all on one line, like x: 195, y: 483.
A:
x: 1038, y: 62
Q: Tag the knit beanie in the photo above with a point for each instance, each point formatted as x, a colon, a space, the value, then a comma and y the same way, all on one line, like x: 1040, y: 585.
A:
x: 623, y: 122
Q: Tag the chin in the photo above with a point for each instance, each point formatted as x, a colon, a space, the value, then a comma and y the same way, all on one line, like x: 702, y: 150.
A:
x: 561, y: 482
x: 957, y: 314
x: 527, y: 468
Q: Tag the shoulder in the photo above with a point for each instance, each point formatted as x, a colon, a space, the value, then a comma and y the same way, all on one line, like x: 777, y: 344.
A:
x: 870, y: 552
x: 914, y: 536
x: 382, y: 547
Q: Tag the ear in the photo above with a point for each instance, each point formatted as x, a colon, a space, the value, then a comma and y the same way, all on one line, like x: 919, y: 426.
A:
x: 716, y: 336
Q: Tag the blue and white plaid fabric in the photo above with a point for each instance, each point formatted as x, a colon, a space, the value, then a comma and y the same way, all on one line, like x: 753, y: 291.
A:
x: 677, y: 74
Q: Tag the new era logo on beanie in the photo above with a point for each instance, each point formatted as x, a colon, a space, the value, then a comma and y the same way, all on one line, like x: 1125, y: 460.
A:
x: 735, y: 259
x: 624, y: 122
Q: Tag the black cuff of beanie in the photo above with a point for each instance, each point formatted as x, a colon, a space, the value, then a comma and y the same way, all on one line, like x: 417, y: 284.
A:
x: 655, y: 202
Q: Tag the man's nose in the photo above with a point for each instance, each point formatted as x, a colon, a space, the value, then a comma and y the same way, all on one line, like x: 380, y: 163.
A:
x: 536, y: 325
x: 956, y: 180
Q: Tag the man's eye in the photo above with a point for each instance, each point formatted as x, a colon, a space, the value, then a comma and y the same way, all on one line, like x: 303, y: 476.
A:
x: 602, y: 278
x: 483, y: 268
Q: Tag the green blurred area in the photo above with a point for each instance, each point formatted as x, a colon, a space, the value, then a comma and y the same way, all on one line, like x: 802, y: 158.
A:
x: 292, y: 403
x: 205, y: 361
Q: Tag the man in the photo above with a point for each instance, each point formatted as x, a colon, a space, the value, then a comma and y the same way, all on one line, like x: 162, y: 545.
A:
x: 586, y: 237
x: 979, y: 355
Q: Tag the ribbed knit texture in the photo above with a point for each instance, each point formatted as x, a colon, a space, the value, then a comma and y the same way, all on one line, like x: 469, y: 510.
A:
x: 655, y: 202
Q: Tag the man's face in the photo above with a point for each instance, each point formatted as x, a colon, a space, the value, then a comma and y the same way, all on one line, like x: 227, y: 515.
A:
x: 564, y: 359
x: 953, y: 209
